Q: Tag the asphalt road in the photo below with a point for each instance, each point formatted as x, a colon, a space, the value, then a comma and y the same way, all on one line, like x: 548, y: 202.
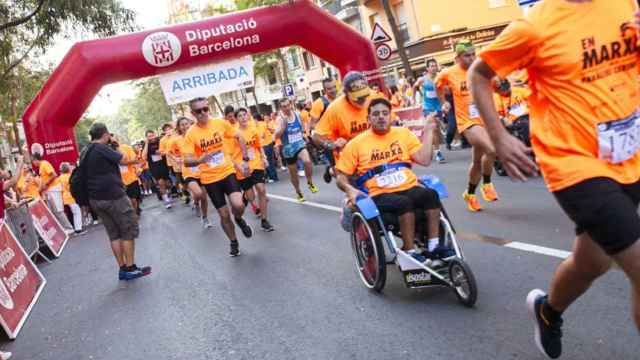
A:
x: 294, y: 293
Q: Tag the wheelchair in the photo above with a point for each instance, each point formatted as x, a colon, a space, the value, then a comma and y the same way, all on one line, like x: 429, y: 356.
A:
x: 376, y: 239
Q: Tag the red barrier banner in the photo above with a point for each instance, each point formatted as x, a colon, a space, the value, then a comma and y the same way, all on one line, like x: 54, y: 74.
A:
x: 48, y: 227
x: 412, y: 119
x: 20, y: 283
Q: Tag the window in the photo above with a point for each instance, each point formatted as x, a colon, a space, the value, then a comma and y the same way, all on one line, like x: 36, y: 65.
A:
x: 401, y: 20
x: 309, y: 60
x: 292, y: 58
x: 271, y: 75
x: 373, y: 19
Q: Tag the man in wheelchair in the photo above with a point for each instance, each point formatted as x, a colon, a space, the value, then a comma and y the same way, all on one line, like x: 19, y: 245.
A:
x: 380, y: 161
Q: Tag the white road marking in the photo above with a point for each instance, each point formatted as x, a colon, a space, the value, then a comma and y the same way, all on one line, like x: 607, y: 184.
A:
x: 536, y: 249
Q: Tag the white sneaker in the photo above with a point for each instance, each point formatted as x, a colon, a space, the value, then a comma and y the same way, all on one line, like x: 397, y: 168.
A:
x: 5, y: 355
x: 301, y: 173
x: 96, y: 222
x: 282, y: 168
x: 206, y: 223
x: 270, y: 181
x: 167, y: 204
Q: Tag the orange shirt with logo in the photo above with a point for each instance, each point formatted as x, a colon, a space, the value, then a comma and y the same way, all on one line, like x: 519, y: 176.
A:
x: 266, y: 135
x: 369, y: 150
x: 455, y: 77
x: 29, y: 186
x: 165, y: 143
x: 211, y: 140
x: 251, y: 137
x: 513, y: 106
x: 47, y: 173
x: 128, y: 172
x: 582, y: 64
x: 343, y: 120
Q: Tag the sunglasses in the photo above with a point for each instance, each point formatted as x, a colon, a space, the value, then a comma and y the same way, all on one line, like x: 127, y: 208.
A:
x: 201, y: 110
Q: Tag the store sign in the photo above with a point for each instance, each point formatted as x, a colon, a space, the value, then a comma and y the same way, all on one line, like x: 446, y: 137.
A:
x: 20, y: 283
x: 204, y: 81
x: 48, y: 227
x: 445, y: 43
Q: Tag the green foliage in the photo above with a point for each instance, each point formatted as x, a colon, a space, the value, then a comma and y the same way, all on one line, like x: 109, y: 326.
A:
x: 148, y: 110
x: 82, y: 131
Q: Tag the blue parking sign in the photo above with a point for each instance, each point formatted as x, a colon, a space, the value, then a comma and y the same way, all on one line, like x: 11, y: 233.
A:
x: 289, y: 90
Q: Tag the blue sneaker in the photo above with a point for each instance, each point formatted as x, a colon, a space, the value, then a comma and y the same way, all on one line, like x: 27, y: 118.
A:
x: 419, y: 257
x: 439, y: 157
x: 443, y: 252
x: 134, y: 273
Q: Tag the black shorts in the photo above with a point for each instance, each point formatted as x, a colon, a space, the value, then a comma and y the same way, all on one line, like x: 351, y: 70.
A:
x: 604, y: 209
x: 159, y: 170
x: 292, y: 160
x: 402, y: 202
x: 256, y: 177
x: 133, y: 191
x: 191, y: 179
x: 219, y: 189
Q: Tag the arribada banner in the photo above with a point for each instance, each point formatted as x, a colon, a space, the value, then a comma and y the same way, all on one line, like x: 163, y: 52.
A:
x: 204, y: 81
x: 20, y: 283
x: 48, y: 227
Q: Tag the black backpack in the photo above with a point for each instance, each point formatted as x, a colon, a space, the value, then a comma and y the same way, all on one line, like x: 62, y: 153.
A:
x: 78, y: 180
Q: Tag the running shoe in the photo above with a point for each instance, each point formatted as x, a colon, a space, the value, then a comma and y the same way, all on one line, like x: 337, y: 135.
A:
x: 167, y: 205
x: 301, y: 198
x: 134, y: 272
x: 206, y: 223
x: 488, y: 192
x: 301, y: 173
x: 270, y: 181
x: 235, y: 248
x: 282, y: 168
x: 327, y: 175
x: 439, y: 157
x: 266, y: 226
x: 547, y: 332
x: 472, y: 202
x: 247, y: 231
x: 417, y: 256
x: 80, y: 232
x: 314, y: 189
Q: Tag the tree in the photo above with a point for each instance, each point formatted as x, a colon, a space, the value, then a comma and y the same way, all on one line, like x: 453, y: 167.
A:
x: 28, y: 25
x: 81, y: 131
x: 147, y: 110
x: 398, y: 39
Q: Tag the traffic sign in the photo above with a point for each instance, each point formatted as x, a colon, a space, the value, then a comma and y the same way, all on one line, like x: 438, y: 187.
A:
x: 289, y: 90
x: 383, y: 51
x: 378, y: 35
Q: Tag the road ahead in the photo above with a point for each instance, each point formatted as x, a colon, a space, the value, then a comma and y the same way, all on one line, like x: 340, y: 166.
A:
x: 294, y: 293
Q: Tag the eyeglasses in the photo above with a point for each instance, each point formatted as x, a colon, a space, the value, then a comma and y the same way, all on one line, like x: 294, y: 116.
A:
x: 201, y: 110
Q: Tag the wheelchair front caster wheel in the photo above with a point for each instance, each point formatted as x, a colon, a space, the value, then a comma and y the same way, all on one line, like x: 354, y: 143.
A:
x: 464, y: 283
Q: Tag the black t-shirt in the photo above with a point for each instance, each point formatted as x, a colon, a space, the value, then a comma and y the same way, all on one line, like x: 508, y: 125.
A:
x: 103, y: 173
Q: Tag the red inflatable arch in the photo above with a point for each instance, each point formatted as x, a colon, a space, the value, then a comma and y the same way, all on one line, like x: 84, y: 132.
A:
x: 89, y: 65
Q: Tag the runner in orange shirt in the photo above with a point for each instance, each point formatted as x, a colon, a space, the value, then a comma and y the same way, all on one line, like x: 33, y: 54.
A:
x: 129, y: 174
x: 318, y: 108
x: 469, y: 125
x: 582, y: 61
x: 266, y: 132
x: 28, y: 184
x: 205, y: 147
x: 253, y: 174
x: 190, y: 175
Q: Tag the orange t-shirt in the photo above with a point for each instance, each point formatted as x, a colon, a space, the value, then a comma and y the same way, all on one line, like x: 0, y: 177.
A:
x: 251, y: 137
x: 343, y: 120
x: 211, y: 140
x: 317, y: 107
x: 514, y: 106
x: 369, y: 150
x: 67, y: 198
x: 174, y: 148
x: 29, y: 186
x: 305, y: 118
x: 266, y: 135
x: 47, y: 173
x: 397, y: 101
x: 128, y: 172
x: 467, y: 113
x: 165, y: 143
x: 582, y: 63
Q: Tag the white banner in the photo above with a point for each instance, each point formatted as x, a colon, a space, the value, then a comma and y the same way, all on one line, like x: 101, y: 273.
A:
x: 204, y: 81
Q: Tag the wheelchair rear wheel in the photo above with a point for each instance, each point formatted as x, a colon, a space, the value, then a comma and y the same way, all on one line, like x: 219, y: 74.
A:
x: 368, y: 252
x: 464, y: 283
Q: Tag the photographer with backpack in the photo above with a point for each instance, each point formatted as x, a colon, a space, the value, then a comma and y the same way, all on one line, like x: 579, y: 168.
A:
x: 97, y: 181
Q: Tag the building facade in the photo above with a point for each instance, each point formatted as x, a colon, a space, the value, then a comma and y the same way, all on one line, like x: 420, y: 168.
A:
x: 429, y: 28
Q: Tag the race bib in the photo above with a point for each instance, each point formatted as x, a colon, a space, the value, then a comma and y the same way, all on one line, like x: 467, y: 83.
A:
x: 619, y: 140
x: 295, y: 137
x: 216, y: 159
x: 391, y: 179
x: 517, y: 110
x: 124, y: 168
x: 431, y: 94
x: 473, y: 111
x: 156, y: 158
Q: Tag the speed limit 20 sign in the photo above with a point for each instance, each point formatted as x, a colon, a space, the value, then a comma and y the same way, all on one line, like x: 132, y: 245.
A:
x: 383, y: 51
